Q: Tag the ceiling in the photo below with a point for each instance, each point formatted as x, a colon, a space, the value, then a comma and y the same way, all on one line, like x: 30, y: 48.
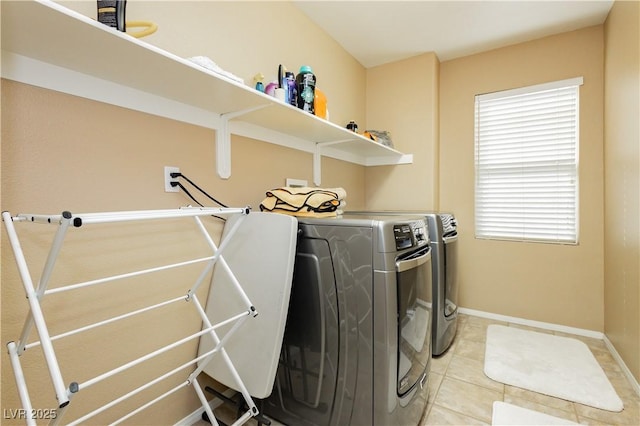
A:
x: 377, y: 32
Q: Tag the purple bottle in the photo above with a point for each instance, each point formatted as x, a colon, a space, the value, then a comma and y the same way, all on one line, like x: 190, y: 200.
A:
x: 292, y: 95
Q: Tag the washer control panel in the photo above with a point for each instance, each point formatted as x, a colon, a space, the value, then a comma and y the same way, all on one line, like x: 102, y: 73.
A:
x: 449, y: 224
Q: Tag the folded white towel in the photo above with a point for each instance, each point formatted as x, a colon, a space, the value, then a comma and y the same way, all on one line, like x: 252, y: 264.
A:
x: 208, y: 63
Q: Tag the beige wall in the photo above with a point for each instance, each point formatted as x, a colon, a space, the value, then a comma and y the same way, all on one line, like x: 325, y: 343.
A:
x: 402, y: 97
x: 61, y: 152
x: 58, y: 154
x: 544, y: 282
x: 622, y: 182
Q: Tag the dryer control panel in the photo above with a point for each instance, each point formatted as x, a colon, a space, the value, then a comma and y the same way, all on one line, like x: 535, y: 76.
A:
x: 413, y: 234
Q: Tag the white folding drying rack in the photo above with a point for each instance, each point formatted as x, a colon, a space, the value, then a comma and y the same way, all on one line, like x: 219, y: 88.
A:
x: 35, y: 316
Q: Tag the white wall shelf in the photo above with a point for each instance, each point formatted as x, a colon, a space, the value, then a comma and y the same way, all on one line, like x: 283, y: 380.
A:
x: 47, y: 45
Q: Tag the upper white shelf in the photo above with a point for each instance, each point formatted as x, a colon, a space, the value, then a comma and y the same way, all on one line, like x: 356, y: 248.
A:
x: 48, y: 45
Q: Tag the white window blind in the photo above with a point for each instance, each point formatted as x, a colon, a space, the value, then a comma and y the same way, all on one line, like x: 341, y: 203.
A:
x: 526, y: 157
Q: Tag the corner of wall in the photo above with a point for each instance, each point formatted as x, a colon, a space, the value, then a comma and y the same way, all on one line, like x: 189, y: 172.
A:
x: 408, y: 108
x: 622, y: 182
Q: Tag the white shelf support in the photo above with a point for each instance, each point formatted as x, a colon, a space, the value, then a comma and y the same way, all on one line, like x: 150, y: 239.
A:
x: 317, y: 159
x: 317, y: 165
x: 223, y: 140
x: 223, y: 150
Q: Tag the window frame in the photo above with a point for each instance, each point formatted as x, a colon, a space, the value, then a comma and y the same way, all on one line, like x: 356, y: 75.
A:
x: 486, y: 233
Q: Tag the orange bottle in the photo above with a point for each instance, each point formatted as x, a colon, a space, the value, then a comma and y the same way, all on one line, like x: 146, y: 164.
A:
x: 320, y: 104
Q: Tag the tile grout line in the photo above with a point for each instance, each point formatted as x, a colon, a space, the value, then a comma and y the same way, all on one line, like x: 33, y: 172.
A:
x: 444, y: 376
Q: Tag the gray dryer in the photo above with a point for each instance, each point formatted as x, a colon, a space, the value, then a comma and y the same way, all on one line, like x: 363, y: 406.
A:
x: 357, y: 343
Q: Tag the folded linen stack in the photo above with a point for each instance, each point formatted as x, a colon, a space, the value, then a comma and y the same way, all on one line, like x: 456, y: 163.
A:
x: 305, y: 201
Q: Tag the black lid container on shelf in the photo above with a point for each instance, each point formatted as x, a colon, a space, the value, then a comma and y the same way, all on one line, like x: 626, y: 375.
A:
x: 306, y: 86
x: 113, y: 13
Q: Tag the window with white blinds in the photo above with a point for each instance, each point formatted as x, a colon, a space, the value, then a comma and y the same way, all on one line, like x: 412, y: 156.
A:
x: 526, y: 158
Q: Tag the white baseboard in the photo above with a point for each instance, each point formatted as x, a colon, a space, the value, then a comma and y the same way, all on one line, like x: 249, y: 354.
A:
x: 632, y: 380
x: 563, y: 329
x: 196, y: 416
x: 531, y: 323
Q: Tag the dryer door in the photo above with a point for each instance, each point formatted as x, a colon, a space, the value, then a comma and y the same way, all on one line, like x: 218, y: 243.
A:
x: 305, y: 385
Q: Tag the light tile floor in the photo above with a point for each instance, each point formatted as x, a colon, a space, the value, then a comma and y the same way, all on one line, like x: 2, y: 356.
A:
x: 461, y: 394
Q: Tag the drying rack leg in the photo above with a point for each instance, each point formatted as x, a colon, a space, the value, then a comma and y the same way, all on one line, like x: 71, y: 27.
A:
x: 46, y: 275
x: 36, y: 312
x: 203, y: 399
x: 253, y: 410
x: 240, y: 405
x: 20, y: 382
x: 220, y: 259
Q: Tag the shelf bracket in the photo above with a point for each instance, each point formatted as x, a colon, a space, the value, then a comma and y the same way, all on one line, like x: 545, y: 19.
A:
x: 223, y: 140
x: 317, y: 165
x: 317, y: 159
